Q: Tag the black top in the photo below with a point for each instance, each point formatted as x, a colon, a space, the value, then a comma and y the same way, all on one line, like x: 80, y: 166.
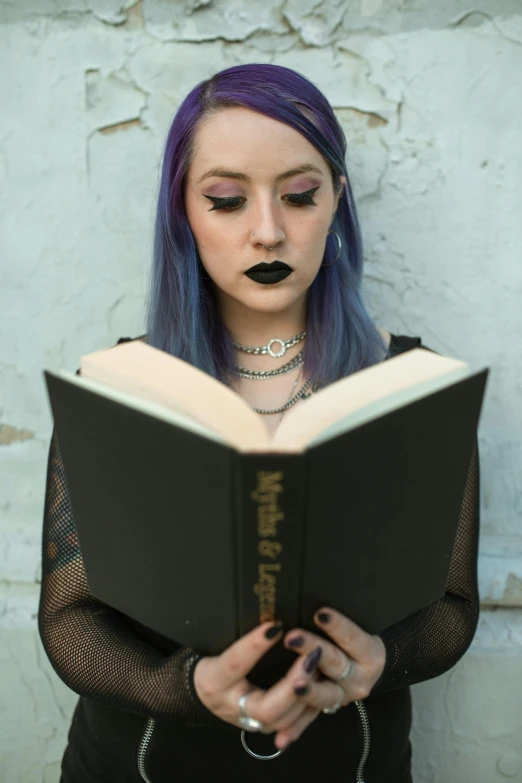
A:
x: 100, y: 655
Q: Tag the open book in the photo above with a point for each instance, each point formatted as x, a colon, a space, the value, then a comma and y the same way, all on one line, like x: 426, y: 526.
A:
x: 195, y: 522
x: 192, y: 399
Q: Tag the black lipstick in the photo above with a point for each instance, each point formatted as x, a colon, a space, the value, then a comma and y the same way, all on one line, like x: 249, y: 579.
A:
x: 267, y: 274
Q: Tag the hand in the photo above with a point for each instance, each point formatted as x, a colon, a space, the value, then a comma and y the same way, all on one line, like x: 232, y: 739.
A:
x: 350, y: 644
x: 220, y: 681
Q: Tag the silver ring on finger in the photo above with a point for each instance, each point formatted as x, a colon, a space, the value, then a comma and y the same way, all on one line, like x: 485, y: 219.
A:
x: 350, y: 666
x: 245, y: 721
x: 335, y: 707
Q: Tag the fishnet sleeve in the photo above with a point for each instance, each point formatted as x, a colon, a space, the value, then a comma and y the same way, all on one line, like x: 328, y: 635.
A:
x: 432, y: 640
x: 91, y: 647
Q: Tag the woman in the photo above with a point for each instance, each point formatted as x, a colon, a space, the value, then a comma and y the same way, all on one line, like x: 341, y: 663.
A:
x: 256, y: 277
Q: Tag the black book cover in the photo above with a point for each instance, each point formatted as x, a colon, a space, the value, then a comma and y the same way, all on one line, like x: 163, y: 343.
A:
x: 200, y: 543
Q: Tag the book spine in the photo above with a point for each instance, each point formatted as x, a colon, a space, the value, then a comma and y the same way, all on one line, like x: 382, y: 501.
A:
x: 270, y: 525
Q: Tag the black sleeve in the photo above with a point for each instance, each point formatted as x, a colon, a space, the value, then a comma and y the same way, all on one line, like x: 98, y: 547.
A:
x: 432, y: 640
x: 91, y: 646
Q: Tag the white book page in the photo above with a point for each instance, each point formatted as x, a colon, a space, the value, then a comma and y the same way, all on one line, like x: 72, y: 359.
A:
x: 145, y: 406
x: 390, y: 403
x: 139, y: 371
x: 148, y: 373
x: 395, y: 379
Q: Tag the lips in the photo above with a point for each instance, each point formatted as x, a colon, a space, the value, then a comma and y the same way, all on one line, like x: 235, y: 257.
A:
x: 273, y: 267
x: 268, y: 274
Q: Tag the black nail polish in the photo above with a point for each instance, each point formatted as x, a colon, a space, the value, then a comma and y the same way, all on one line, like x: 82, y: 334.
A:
x: 324, y: 617
x: 312, y: 660
x: 295, y: 641
x: 272, y: 632
x: 301, y: 690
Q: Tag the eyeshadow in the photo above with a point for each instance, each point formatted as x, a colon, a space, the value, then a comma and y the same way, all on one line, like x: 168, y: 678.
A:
x: 222, y: 190
x: 302, y: 185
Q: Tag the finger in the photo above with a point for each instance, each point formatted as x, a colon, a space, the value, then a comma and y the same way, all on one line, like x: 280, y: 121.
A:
x: 271, y: 706
x: 345, y: 633
x: 292, y: 733
x: 288, y: 718
x: 324, y: 693
x: 238, y: 659
x: 333, y: 661
x: 275, y: 719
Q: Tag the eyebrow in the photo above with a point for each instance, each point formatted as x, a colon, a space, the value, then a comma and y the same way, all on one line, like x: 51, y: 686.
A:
x: 239, y: 175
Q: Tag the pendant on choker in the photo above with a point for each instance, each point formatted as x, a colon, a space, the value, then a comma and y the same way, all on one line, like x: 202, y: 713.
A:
x: 267, y: 349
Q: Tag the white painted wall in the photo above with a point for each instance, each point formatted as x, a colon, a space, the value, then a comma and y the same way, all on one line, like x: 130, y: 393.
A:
x: 429, y: 94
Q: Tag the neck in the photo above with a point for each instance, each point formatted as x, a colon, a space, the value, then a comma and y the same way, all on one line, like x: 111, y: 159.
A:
x: 253, y: 328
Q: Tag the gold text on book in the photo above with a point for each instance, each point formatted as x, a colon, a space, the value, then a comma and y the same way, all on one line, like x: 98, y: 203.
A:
x: 266, y: 590
x: 269, y: 514
x: 265, y: 495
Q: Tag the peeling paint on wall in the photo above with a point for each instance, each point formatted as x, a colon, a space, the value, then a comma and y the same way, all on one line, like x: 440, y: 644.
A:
x: 227, y: 20
x: 9, y: 435
x: 427, y: 95
x: 118, y: 126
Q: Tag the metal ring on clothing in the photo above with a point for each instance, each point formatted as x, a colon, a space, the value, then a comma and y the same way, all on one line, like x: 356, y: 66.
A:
x: 257, y: 755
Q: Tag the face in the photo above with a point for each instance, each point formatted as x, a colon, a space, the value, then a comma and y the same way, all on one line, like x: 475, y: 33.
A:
x: 255, y: 183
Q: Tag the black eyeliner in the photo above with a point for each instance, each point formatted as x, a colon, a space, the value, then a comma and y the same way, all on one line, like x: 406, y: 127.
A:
x: 220, y: 202
x: 305, y: 197
x: 300, y: 199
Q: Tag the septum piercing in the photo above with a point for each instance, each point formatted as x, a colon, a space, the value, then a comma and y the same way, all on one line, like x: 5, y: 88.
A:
x: 271, y: 248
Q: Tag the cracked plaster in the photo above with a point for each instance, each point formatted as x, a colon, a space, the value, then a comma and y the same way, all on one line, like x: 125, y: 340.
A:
x: 10, y: 434
x: 229, y: 20
x: 396, y: 16
x: 367, y: 154
x: 476, y: 741
x: 342, y: 76
x: 111, y: 100
x: 426, y: 95
x: 31, y: 694
x: 316, y: 22
x: 501, y: 578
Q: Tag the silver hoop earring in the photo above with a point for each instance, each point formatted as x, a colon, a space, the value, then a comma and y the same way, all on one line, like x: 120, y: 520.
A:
x: 339, y: 248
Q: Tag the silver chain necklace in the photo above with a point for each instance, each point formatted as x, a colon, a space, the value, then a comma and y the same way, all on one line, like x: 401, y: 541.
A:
x: 293, y: 364
x: 290, y: 402
x: 261, y: 375
x: 263, y: 350
x: 289, y: 396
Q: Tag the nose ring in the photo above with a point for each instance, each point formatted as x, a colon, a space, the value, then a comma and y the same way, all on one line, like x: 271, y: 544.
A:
x: 271, y: 248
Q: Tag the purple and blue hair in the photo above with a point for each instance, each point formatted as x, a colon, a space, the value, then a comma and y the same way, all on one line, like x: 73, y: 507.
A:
x: 182, y: 315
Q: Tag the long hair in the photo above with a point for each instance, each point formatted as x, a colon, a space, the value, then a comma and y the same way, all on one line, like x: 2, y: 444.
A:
x: 182, y: 312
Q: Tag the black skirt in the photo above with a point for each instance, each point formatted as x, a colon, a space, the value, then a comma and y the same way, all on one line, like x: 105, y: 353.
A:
x: 103, y: 747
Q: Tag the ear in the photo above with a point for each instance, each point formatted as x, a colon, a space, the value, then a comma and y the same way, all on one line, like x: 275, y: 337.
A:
x: 342, y: 184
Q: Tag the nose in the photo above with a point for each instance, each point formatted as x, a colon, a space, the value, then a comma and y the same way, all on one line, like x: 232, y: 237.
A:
x: 267, y: 231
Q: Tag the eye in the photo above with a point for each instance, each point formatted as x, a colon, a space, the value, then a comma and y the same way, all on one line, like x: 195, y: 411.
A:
x: 302, y: 199
x: 228, y: 204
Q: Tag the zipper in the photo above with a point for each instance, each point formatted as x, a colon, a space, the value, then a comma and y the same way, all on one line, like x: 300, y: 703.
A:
x: 363, y: 715
x: 143, y: 748
x: 361, y: 709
